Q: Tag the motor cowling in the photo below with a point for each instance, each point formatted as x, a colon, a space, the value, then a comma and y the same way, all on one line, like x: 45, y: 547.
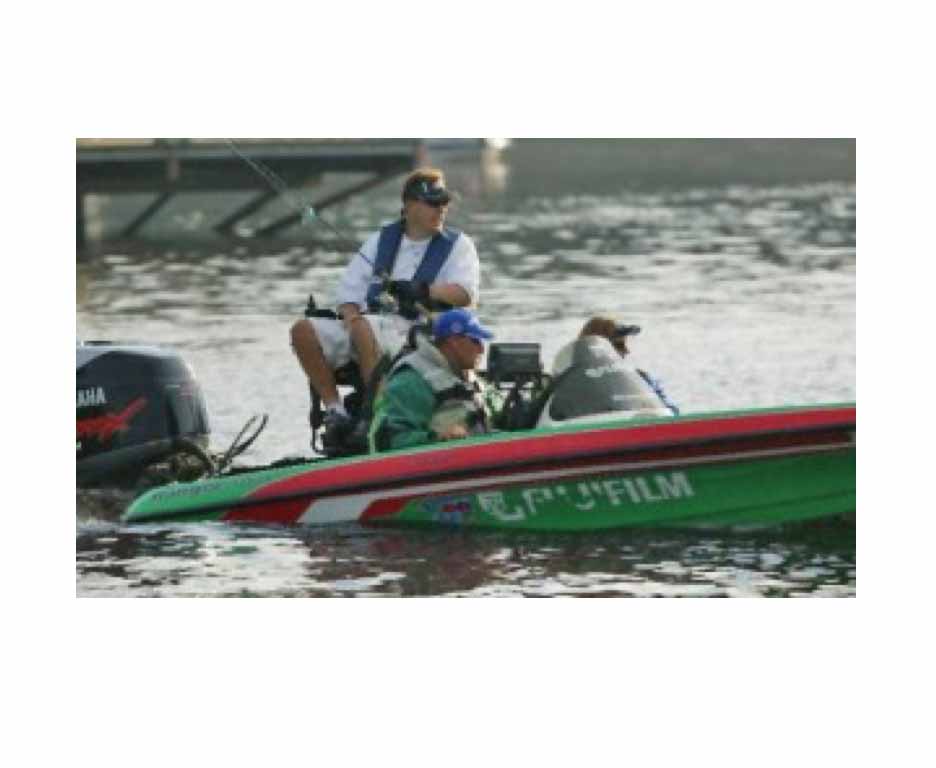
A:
x: 135, y: 406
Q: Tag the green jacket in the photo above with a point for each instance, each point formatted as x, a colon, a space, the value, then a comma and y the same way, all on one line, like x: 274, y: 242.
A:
x: 420, y: 397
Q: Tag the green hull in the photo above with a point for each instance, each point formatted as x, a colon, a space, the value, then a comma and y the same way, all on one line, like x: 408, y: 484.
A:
x: 744, y: 494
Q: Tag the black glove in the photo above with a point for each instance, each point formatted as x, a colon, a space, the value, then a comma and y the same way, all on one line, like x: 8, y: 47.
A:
x: 409, y: 292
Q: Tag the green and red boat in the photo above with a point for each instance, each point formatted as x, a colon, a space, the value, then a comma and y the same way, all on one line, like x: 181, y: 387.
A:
x: 592, y: 447
x: 742, y: 468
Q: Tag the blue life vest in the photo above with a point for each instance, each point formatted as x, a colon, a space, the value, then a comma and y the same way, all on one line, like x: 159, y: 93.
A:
x: 428, y: 270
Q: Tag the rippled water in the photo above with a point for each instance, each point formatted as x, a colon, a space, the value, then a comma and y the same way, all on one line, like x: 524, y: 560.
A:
x: 746, y: 295
x: 223, y: 560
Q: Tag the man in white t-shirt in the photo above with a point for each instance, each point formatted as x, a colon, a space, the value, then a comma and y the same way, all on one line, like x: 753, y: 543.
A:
x: 427, y: 264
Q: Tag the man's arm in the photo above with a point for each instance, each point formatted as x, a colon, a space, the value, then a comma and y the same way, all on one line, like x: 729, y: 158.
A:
x: 450, y: 293
x: 351, y: 293
x: 459, y: 281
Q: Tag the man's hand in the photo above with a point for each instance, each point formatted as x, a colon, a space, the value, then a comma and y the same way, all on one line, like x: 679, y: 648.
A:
x: 409, y: 292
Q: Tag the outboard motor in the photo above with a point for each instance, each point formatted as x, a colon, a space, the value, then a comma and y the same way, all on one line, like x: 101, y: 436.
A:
x: 135, y: 406
x: 593, y: 383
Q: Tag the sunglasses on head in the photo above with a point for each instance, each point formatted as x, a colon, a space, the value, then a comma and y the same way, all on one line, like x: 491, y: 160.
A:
x: 433, y: 194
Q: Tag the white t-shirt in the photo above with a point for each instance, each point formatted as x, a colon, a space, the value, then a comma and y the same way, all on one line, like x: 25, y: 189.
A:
x: 461, y: 267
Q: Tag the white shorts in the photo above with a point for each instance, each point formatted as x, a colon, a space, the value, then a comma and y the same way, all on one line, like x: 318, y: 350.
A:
x: 390, y: 331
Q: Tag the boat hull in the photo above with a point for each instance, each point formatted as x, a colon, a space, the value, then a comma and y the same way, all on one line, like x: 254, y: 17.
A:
x: 750, y: 468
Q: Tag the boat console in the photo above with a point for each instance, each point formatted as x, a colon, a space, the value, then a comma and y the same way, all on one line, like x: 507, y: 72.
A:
x: 590, y: 382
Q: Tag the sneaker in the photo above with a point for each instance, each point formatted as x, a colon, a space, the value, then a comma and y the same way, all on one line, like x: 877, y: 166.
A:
x: 337, y: 427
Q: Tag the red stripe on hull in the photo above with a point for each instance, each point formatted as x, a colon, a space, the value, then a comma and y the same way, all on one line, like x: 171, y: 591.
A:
x: 384, y: 507
x: 750, y: 446
x: 283, y: 512
x: 702, y: 438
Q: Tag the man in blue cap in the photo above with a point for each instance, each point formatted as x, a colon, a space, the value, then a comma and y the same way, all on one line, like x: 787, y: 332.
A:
x: 432, y: 394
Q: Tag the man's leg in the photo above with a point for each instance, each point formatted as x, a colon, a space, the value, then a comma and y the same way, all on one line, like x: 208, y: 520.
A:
x: 307, y: 342
x: 364, y: 343
x: 308, y: 349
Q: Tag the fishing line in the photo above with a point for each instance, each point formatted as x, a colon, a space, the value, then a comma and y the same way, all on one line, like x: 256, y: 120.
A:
x: 306, y: 211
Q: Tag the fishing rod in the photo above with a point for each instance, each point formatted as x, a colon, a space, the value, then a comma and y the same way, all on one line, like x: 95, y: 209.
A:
x: 308, y: 213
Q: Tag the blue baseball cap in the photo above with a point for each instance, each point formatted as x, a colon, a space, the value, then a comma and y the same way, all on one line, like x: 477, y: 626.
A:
x: 459, y: 322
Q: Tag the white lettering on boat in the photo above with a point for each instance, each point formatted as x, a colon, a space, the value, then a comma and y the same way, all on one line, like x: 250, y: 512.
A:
x: 676, y: 486
x: 536, y: 496
x: 645, y: 491
x: 495, y: 505
x: 90, y: 396
x: 614, y: 490
x: 586, y: 496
